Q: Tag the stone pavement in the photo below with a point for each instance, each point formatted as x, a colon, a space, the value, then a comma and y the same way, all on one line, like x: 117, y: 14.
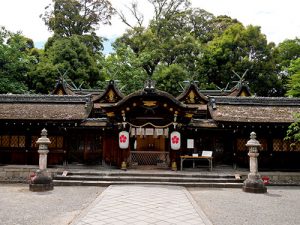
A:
x: 137, y: 204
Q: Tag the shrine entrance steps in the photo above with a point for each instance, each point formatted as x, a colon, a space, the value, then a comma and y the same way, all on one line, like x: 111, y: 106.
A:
x: 143, y: 177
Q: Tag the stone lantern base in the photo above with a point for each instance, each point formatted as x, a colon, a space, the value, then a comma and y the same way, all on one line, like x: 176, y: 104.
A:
x: 254, y: 186
x: 41, y: 182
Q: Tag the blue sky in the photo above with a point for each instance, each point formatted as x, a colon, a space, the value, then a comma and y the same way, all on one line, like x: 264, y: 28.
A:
x: 279, y: 19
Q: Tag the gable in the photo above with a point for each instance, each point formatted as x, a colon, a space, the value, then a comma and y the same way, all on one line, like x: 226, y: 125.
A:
x: 192, y: 96
x: 110, y: 95
x: 62, y: 88
x: 240, y: 91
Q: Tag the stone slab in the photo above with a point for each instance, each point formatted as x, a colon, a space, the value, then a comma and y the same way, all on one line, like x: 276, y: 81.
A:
x: 137, y: 204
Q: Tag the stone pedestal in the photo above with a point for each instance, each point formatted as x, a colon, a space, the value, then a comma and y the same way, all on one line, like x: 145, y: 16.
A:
x: 254, y: 183
x: 41, y: 181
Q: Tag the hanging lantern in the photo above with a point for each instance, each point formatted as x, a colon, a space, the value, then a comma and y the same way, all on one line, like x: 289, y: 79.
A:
x: 123, y: 139
x: 175, y: 139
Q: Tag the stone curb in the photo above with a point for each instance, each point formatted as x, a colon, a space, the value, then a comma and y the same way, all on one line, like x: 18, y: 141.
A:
x: 86, y: 210
x: 204, y: 218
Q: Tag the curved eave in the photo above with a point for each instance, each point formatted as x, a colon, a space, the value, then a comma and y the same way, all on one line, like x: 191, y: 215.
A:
x: 154, y: 94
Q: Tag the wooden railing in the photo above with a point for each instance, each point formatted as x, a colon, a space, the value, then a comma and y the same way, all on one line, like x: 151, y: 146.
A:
x: 158, y: 158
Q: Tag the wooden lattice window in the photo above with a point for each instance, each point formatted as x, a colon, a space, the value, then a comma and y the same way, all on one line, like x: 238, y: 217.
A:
x: 241, y: 144
x: 33, y: 141
x: 296, y: 147
x: 56, y: 142
x: 264, y: 144
x: 285, y: 145
x: 5, y: 141
x: 60, y: 142
x: 12, y: 141
x: 53, y: 142
x: 282, y: 145
x: 21, y: 141
x: 277, y: 145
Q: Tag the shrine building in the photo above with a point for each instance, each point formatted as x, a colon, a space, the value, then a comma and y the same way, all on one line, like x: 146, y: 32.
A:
x: 107, y: 128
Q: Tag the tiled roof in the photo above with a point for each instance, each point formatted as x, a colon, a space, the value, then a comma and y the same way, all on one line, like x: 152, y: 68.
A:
x: 44, y: 107
x: 30, y: 98
x: 254, y: 109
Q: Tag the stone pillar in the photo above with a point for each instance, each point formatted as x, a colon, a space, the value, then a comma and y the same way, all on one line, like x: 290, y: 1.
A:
x: 41, y: 181
x: 254, y: 183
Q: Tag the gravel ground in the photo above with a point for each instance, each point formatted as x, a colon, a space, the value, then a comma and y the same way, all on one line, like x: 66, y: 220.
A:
x: 280, y: 206
x: 19, y: 206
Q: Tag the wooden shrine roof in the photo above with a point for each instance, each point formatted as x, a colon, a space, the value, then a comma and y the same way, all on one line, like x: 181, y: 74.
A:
x: 254, y: 109
x: 191, y: 95
x: 62, y: 88
x: 156, y: 94
x: 44, y: 107
x: 203, y: 123
x: 111, y: 94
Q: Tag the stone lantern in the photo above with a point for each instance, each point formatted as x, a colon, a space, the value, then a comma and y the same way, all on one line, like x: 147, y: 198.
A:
x: 41, y: 181
x: 43, y: 143
x: 254, y: 183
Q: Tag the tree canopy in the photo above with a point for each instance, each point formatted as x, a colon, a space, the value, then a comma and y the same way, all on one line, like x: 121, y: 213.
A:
x: 293, y: 84
x: 17, y: 58
x: 178, y: 43
x: 77, y: 17
x: 74, y: 49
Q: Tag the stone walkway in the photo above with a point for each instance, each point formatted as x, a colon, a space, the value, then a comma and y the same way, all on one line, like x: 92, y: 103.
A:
x: 134, y: 204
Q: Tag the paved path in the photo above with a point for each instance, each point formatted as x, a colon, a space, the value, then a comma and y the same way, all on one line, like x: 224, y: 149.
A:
x: 134, y: 204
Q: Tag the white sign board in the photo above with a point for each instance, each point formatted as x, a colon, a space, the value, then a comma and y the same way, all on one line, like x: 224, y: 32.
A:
x: 149, y: 131
x: 132, y: 131
x: 207, y: 153
x: 140, y: 131
x: 159, y: 131
x: 190, y: 143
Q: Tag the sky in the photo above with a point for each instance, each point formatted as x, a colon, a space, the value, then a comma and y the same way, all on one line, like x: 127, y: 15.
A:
x: 278, y: 19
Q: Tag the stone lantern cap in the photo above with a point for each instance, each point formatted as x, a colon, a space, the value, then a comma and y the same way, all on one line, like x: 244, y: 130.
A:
x: 43, y: 139
x: 253, y: 142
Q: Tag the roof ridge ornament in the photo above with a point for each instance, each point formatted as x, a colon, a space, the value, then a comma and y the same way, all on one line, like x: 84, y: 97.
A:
x: 149, y: 85
x: 241, y: 80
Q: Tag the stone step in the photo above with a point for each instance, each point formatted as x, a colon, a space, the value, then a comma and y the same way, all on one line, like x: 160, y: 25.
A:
x: 156, y: 178
x: 156, y: 174
x: 107, y: 183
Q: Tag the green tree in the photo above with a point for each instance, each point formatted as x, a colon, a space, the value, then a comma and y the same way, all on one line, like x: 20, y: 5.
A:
x: 293, y: 132
x: 74, y: 49
x: 124, y: 67
x: 239, y: 49
x: 71, y: 56
x: 17, y: 58
x: 293, y: 85
x: 77, y: 17
x: 285, y: 53
x: 169, y: 77
x: 174, y: 35
x: 288, y: 50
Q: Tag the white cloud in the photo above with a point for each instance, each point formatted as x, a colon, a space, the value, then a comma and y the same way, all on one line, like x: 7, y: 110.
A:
x: 278, y: 19
x: 20, y: 15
